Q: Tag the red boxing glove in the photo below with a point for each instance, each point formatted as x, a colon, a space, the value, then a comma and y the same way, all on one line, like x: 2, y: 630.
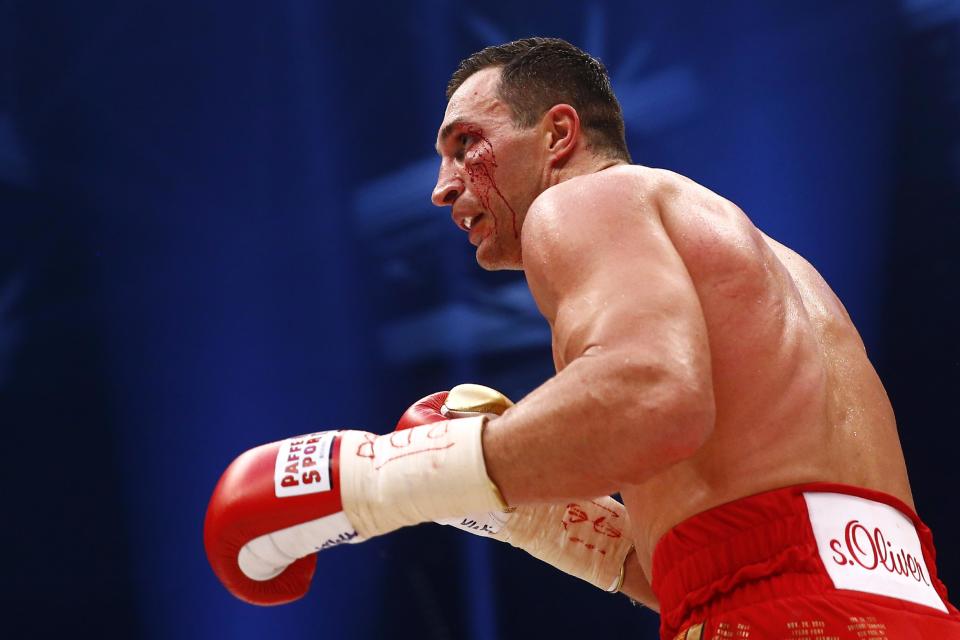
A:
x: 463, y: 401
x: 277, y: 505
x: 426, y: 410
x: 245, y: 506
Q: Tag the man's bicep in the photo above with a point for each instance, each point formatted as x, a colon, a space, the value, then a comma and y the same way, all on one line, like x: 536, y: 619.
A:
x: 658, y: 317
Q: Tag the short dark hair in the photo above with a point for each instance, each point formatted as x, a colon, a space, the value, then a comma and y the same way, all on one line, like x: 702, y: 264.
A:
x: 538, y: 73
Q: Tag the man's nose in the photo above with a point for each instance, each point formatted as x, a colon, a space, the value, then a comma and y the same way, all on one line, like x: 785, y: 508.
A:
x: 449, y: 187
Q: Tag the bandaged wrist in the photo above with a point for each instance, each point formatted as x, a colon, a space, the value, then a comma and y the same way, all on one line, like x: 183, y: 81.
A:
x: 588, y: 539
x: 417, y: 475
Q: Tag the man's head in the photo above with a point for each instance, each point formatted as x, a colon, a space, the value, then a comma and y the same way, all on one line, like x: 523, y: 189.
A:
x: 521, y: 117
x: 537, y: 73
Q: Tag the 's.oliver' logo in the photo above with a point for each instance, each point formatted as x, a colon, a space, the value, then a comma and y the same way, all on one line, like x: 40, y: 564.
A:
x: 873, y: 552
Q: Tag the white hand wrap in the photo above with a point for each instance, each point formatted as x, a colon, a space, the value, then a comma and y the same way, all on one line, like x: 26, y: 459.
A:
x: 413, y: 476
x: 589, y: 539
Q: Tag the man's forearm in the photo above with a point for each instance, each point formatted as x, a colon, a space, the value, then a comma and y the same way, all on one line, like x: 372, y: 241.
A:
x: 593, y: 428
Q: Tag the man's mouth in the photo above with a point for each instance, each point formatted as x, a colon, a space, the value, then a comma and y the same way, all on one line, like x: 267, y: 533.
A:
x: 469, y: 221
x: 474, y: 232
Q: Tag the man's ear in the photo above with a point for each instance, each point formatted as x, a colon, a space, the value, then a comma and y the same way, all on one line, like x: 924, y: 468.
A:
x: 562, y: 132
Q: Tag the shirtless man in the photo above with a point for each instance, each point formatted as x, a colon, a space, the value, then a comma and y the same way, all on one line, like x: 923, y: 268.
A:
x: 705, y: 372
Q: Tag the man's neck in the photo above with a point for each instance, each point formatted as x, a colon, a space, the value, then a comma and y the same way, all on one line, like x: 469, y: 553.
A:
x: 581, y: 165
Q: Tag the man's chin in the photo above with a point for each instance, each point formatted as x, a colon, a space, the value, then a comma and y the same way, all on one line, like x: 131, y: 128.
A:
x: 492, y: 267
x: 485, y: 263
x: 493, y: 261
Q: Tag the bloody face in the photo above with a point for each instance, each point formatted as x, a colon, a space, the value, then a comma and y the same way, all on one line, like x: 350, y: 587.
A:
x: 490, y: 170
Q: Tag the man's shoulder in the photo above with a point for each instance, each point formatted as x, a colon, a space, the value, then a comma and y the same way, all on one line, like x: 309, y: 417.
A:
x: 618, y: 181
x: 585, y: 220
x: 588, y: 201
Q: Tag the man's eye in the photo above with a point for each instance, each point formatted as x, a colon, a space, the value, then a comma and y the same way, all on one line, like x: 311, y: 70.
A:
x: 463, y: 141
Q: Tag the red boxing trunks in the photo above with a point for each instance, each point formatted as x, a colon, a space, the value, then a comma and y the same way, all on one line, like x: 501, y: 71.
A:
x: 816, y: 562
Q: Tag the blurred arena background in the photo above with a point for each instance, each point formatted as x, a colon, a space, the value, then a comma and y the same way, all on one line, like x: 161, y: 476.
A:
x: 215, y: 231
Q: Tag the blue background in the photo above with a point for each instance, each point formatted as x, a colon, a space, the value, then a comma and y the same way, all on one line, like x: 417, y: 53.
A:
x: 215, y: 231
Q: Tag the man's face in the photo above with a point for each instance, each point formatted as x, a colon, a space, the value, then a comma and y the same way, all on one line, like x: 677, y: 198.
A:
x: 490, y: 171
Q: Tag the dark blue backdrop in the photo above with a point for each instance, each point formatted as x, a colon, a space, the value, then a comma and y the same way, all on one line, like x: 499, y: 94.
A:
x: 215, y: 231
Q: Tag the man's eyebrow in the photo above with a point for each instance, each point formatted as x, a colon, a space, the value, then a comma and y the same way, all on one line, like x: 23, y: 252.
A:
x: 446, y: 131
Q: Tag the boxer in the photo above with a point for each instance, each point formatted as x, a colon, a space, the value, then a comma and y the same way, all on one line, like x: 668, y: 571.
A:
x: 705, y: 372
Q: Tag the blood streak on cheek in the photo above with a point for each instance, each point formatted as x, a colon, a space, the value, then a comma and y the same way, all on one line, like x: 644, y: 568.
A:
x: 480, y: 165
